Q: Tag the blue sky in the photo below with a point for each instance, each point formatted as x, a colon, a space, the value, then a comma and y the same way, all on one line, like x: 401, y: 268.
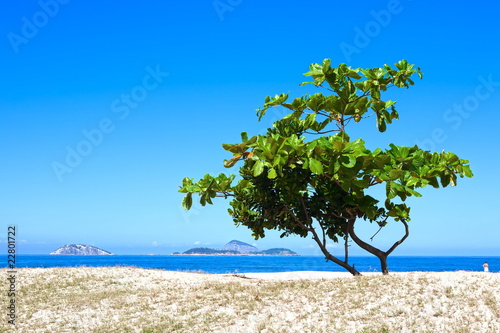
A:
x: 104, y: 108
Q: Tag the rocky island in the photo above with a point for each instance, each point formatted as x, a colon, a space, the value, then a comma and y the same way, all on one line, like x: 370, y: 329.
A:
x: 236, y: 247
x: 81, y: 250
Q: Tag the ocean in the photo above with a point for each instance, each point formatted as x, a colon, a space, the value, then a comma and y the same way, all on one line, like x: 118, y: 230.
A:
x: 259, y: 264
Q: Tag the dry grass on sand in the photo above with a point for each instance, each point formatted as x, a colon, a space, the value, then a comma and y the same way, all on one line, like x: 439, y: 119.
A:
x: 126, y: 299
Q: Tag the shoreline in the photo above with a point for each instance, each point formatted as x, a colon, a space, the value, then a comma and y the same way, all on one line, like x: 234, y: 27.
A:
x: 305, y: 273
x: 314, y: 275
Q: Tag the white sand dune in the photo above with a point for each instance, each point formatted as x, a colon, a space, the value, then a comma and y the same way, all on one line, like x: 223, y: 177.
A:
x: 128, y: 299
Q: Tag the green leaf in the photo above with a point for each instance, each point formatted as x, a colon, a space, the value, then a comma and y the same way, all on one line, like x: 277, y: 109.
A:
x: 235, y: 149
x: 413, y: 192
x: 244, y: 136
x: 193, y: 188
x: 310, y: 120
x: 187, y: 202
x: 381, y: 124
x: 186, y: 181
x: 402, y: 64
x: 316, y: 102
x: 271, y: 174
x: 433, y: 182
x: 467, y: 171
x: 390, y: 190
x: 395, y: 174
x: 348, y: 160
x: 258, y: 168
x: 326, y: 66
x: 445, y: 180
x: 354, y: 74
x: 315, y: 166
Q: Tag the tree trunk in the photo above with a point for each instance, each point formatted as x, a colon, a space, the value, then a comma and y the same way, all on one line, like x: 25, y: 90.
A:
x: 383, y: 264
x: 329, y: 256
x: 322, y: 244
x: 381, y: 255
x: 339, y: 262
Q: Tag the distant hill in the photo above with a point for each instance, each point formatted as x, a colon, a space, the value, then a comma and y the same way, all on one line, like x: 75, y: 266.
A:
x: 236, y: 247
x: 206, y: 250
x: 279, y: 252
x: 241, y: 247
x: 80, y: 249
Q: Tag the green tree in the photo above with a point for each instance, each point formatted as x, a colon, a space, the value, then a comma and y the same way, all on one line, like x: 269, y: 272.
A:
x: 318, y: 187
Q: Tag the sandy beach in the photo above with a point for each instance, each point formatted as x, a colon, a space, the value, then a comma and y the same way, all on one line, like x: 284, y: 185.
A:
x: 128, y: 299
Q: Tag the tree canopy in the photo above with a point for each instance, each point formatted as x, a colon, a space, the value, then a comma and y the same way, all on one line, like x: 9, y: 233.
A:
x: 318, y: 188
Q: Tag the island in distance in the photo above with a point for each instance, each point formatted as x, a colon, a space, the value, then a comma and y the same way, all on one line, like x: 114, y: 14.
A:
x: 235, y: 247
x: 80, y: 250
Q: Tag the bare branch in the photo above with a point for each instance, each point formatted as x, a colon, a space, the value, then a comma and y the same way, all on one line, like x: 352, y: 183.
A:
x: 322, y: 86
x: 346, y: 248
x: 324, y: 234
x: 359, y: 97
x: 224, y: 195
x: 407, y: 233
x: 375, y: 234
x: 305, y: 210
x: 325, y: 132
x: 299, y: 222
x: 361, y: 243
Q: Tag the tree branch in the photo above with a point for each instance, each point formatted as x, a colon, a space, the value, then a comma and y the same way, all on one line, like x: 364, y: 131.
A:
x: 299, y: 222
x: 324, y: 234
x: 308, y: 218
x: 224, y: 195
x: 407, y: 233
x: 362, y: 244
x: 325, y: 132
x: 346, y: 248
x: 375, y: 234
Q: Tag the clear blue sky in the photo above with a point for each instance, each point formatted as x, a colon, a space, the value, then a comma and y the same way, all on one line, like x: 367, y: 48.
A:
x: 145, y: 92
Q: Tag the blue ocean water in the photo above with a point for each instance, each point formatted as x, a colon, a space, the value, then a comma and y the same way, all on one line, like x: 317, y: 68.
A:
x: 259, y: 264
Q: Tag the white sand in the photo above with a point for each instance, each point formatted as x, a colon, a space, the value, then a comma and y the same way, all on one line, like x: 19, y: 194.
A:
x: 128, y: 299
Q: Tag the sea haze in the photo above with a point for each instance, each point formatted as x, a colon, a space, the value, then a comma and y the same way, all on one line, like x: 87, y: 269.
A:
x: 259, y: 264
